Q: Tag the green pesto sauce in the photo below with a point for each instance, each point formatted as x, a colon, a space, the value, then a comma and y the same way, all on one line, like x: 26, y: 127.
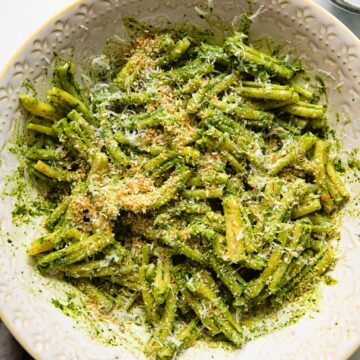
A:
x: 269, y: 320
x: 29, y: 86
x: 115, y: 329
x: 353, y: 161
x: 254, y: 325
x: 29, y: 203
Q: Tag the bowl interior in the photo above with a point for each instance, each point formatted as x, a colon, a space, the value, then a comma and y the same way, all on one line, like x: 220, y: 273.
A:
x: 325, y: 47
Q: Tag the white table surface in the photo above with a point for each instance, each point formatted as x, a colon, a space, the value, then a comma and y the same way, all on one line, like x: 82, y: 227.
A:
x: 30, y: 14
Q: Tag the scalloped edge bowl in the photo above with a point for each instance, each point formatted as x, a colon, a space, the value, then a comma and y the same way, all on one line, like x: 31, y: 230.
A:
x: 326, y: 45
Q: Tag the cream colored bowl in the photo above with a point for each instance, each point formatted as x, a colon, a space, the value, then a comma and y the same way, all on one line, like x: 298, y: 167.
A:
x: 326, y: 47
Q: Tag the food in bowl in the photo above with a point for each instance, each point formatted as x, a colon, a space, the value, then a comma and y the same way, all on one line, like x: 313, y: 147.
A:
x: 194, y: 180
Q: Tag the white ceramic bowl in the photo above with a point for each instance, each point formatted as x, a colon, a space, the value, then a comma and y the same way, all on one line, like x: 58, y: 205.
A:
x: 327, y: 47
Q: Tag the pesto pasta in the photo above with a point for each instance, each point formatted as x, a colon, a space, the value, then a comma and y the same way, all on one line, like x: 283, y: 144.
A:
x: 193, y: 180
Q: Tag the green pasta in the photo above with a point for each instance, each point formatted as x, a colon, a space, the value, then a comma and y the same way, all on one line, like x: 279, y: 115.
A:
x: 193, y: 184
x: 39, y: 108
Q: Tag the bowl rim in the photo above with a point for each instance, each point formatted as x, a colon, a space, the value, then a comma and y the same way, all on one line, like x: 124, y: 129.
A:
x: 22, y: 340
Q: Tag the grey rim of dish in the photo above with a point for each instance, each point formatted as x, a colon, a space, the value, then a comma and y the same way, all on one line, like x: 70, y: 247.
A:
x: 350, y: 5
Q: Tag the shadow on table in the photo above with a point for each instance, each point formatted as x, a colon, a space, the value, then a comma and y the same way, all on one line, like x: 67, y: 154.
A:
x: 351, y: 20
